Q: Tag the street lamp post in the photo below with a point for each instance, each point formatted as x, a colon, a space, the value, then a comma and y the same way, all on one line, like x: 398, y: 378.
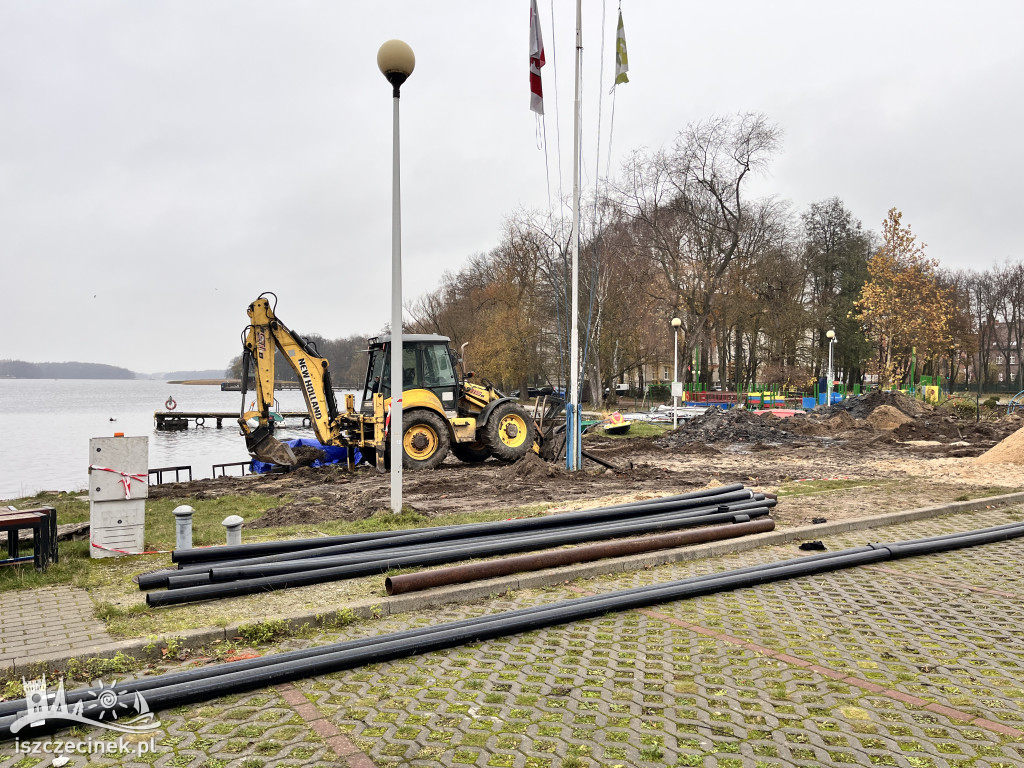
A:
x: 831, y: 336
x: 396, y: 61
x: 676, y: 322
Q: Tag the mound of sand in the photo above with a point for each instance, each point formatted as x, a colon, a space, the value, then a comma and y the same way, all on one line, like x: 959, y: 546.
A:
x: 886, y: 417
x: 1009, y: 451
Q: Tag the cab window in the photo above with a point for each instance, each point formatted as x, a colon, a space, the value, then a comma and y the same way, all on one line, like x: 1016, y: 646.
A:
x: 437, y: 367
x: 410, y: 370
x: 374, y: 373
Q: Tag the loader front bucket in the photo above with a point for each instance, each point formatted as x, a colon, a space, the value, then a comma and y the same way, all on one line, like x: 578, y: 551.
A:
x: 263, y: 446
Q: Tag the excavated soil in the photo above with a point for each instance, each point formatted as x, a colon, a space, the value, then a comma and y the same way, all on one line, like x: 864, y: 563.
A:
x: 733, y: 426
x: 862, y: 406
x: 907, y: 455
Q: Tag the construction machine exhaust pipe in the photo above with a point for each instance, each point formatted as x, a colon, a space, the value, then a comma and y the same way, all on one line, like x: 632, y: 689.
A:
x: 263, y: 446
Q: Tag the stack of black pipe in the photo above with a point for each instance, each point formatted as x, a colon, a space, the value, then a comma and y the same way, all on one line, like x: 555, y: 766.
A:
x: 217, y: 572
x: 205, y: 683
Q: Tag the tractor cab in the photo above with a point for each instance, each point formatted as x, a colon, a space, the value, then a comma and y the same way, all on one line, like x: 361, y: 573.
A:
x: 427, y: 363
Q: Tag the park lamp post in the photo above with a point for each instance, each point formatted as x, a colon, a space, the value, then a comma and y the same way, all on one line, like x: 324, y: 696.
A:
x: 396, y: 61
x: 831, y: 336
x: 676, y: 322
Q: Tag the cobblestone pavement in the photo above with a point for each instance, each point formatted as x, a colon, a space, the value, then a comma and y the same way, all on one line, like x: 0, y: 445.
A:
x: 913, y: 662
x: 34, y: 622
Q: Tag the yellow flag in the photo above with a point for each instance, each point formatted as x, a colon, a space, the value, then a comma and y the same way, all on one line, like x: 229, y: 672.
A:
x: 621, y: 60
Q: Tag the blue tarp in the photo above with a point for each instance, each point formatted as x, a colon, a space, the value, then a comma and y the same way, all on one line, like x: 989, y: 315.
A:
x: 335, y: 455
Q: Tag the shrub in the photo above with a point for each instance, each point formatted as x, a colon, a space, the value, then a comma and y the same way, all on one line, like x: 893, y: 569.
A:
x: 962, y: 407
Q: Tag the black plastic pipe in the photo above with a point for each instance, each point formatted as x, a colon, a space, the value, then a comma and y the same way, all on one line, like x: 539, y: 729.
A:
x: 147, y: 683
x: 174, y: 678
x: 720, y: 495
x: 320, y: 575
x: 197, y: 575
x: 542, y: 540
x: 259, y: 549
x: 389, y: 647
x: 505, y: 527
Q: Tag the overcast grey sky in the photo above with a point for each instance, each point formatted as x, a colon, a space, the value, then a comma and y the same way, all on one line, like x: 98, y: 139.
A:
x: 162, y: 163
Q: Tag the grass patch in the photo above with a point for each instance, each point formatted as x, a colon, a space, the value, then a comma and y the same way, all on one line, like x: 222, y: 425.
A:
x: 637, y: 429
x: 984, y: 493
x: 96, y: 668
x: 813, y: 487
x: 261, y: 632
x: 78, y: 569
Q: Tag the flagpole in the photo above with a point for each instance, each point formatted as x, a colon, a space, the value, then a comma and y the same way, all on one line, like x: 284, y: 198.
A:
x: 573, y: 457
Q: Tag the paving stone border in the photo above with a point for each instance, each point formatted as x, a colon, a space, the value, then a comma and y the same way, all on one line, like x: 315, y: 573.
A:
x: 153, y: 647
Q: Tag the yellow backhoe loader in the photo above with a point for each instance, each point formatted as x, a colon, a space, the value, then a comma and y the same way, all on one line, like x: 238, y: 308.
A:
x: 442, y: 410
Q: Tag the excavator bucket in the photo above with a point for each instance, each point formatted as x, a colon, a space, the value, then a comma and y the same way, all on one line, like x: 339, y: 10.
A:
x: 263, y: 446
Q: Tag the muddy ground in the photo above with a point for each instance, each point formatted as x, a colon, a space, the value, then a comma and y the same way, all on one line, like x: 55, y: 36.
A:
x: 905, y: 455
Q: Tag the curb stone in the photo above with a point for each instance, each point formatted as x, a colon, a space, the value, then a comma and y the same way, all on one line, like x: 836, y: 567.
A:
x: 149, y: 648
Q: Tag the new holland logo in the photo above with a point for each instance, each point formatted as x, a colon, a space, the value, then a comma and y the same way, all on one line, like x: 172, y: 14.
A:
x: 103, y: 710
x: 307, y: 383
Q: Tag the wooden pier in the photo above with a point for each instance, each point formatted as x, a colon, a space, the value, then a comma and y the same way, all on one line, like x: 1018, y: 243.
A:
x: 178, y: 420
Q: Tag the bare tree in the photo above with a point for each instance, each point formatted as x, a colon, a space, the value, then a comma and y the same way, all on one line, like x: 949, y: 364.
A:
x: 688, y: 210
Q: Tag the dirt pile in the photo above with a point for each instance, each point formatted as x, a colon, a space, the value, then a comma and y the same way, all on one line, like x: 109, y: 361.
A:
x: 862, y: 406
x: 841, y: 422
x: 1008, y: 451
x: 825, y: 425
x: 731, y: 426
x: 887, y: 418
x: 531, y: 467
x: 937, y: 425
x: 305, y: 455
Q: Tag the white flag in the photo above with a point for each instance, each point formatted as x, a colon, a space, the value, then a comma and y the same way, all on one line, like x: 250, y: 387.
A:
x: 536, y: 61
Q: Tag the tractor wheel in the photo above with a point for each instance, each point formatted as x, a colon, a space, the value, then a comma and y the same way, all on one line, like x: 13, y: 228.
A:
x: 424, y: 439
x: 509, y: 432
x: 471, y: 453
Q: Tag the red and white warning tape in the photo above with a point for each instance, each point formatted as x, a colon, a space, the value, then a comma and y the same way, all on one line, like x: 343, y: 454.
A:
x: 126, y: 478
x: 126, y: 552
x: 387, y: 418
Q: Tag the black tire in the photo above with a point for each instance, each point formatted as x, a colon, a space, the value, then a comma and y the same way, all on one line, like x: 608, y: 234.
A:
x: 471, y: 453
x: 509, y: 432
x: 425, y: 440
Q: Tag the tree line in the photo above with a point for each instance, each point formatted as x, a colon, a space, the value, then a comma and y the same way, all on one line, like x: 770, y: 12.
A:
x: 755, y: 283
x: 19, y: 369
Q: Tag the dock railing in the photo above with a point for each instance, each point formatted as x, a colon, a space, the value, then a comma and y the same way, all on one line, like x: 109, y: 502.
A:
x: 245, y: 465
x: 159, y: 472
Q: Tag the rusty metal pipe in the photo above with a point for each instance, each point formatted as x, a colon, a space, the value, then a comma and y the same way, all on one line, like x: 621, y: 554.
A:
x: 489, y: 569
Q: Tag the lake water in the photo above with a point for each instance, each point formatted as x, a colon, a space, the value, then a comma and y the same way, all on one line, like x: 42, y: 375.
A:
x: 47, y: 425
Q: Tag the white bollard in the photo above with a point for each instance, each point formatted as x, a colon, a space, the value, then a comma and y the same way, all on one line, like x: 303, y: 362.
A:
x: 183, y: 526
x: 233, y: 525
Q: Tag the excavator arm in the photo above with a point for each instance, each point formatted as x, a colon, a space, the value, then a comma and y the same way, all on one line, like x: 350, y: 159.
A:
x: 264, y: 336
